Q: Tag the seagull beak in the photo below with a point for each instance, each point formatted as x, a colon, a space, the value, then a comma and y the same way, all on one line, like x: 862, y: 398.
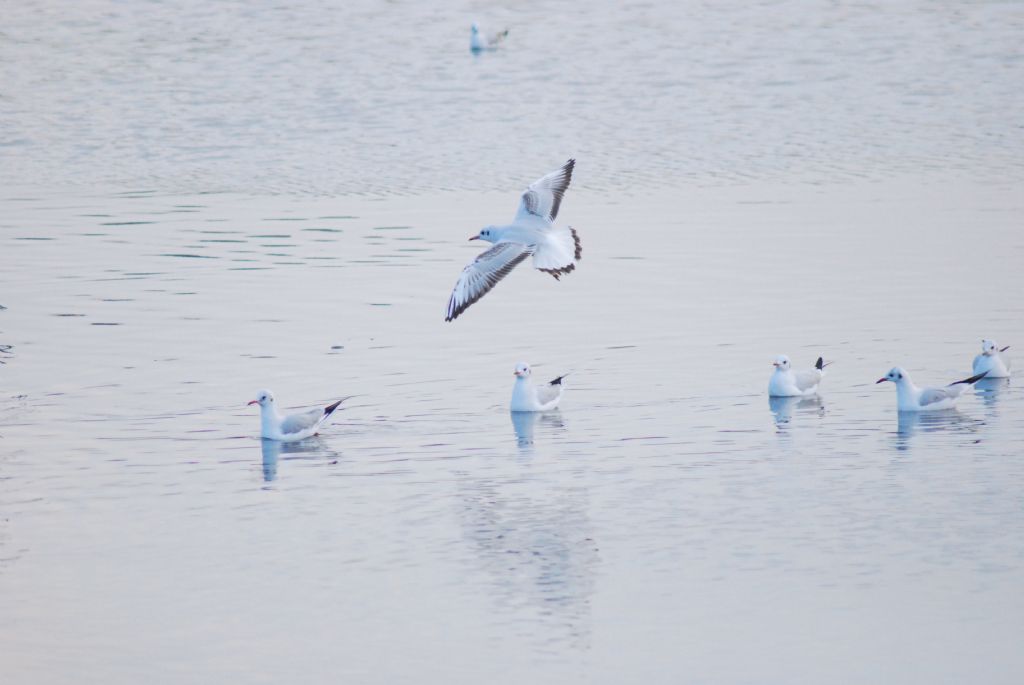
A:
x: 475, y: 237
x: 252, y: 402
x: 775, y: 364
x: 881, y: 380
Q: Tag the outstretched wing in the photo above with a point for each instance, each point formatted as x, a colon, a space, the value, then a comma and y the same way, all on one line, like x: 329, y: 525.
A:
x: 296, y: 423
x: 544, y: 196
x: 483, y: 273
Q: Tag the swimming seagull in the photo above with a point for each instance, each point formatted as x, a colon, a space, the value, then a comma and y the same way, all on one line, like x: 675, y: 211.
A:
x: 529, y: 397
x: 785, y: 382
x: 992, y: 360
x: 909, y: 397
x: 531, y: 234
x: 292, y: 427
x: 478, y: 40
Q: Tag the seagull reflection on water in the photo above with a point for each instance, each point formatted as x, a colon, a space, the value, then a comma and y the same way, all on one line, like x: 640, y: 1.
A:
x: 910, y: 423
x: 524, y: 423
x: 535, y: 544
x: 988, y: 390
x: 783, y: 407
x: 272, y: 451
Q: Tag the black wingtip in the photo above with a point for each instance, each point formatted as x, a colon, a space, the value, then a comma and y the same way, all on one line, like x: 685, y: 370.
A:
x: 972, y: 380
x: 820, y: 364
x: 1005, y: 349
x: 558, y: 381
x: 329, y: 409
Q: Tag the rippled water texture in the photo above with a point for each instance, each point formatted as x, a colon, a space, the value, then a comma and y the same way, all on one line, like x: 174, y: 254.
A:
x: 367, y: 97
x: 200, y: 201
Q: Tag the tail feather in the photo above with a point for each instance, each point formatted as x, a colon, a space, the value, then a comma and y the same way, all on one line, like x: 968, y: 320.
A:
x: 820, y: 364
x: 557, y: 254
x: 972, y: 380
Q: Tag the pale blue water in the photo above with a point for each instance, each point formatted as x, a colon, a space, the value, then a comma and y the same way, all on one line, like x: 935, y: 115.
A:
x: 198, y: 202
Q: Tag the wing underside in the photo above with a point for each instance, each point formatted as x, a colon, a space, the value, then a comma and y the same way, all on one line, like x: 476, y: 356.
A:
x: 483, y: 273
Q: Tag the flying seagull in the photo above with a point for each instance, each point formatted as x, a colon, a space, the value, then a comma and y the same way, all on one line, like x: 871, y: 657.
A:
x: 531, y: 234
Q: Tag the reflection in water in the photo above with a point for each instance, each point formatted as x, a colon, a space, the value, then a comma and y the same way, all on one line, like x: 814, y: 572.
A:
x: 524, y: 423
x: 272, y: 451
x: 912, y: 422
x: 783, y: 407
x: 989, y: 389
x: 538, y: 552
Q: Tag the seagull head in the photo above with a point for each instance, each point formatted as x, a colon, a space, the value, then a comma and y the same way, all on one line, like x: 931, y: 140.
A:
x: 264, y: 398
x: 989, y: 347
x: 781, y: 363
x: 522, y: 370
x: 896, y: 375
x: 488, y: 233
x: 475, y: 28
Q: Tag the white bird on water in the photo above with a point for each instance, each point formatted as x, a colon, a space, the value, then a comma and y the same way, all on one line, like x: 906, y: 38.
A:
x: 992, y: 360
x: 290, y: 427
x: 529, y: 397
x: 785, y: 382
x: 478, y: 40
x: 531, y: 234
x: 909, y: 397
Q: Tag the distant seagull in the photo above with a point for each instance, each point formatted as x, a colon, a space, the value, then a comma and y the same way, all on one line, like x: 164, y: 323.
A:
x: 992, y: 361
x: 529, y: 397
x: 478, y: 40
x: 292, y: 427
x: 785, y: 382
x: 909, y: 397
x: 532, y: 233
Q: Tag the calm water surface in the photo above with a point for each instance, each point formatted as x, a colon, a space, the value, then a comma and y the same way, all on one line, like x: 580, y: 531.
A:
x: 201, y: 202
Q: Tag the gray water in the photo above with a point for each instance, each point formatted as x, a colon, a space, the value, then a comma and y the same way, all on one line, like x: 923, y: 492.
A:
x: 198, y: 202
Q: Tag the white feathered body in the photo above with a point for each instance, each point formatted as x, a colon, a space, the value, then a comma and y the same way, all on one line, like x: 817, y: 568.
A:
x: 529, y: 397
x: 552, y: 248
x: 291, y: 427
x: 480, y: 40
x: 909, y: 397
x: 790, y: 383
x: 994, y: 365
